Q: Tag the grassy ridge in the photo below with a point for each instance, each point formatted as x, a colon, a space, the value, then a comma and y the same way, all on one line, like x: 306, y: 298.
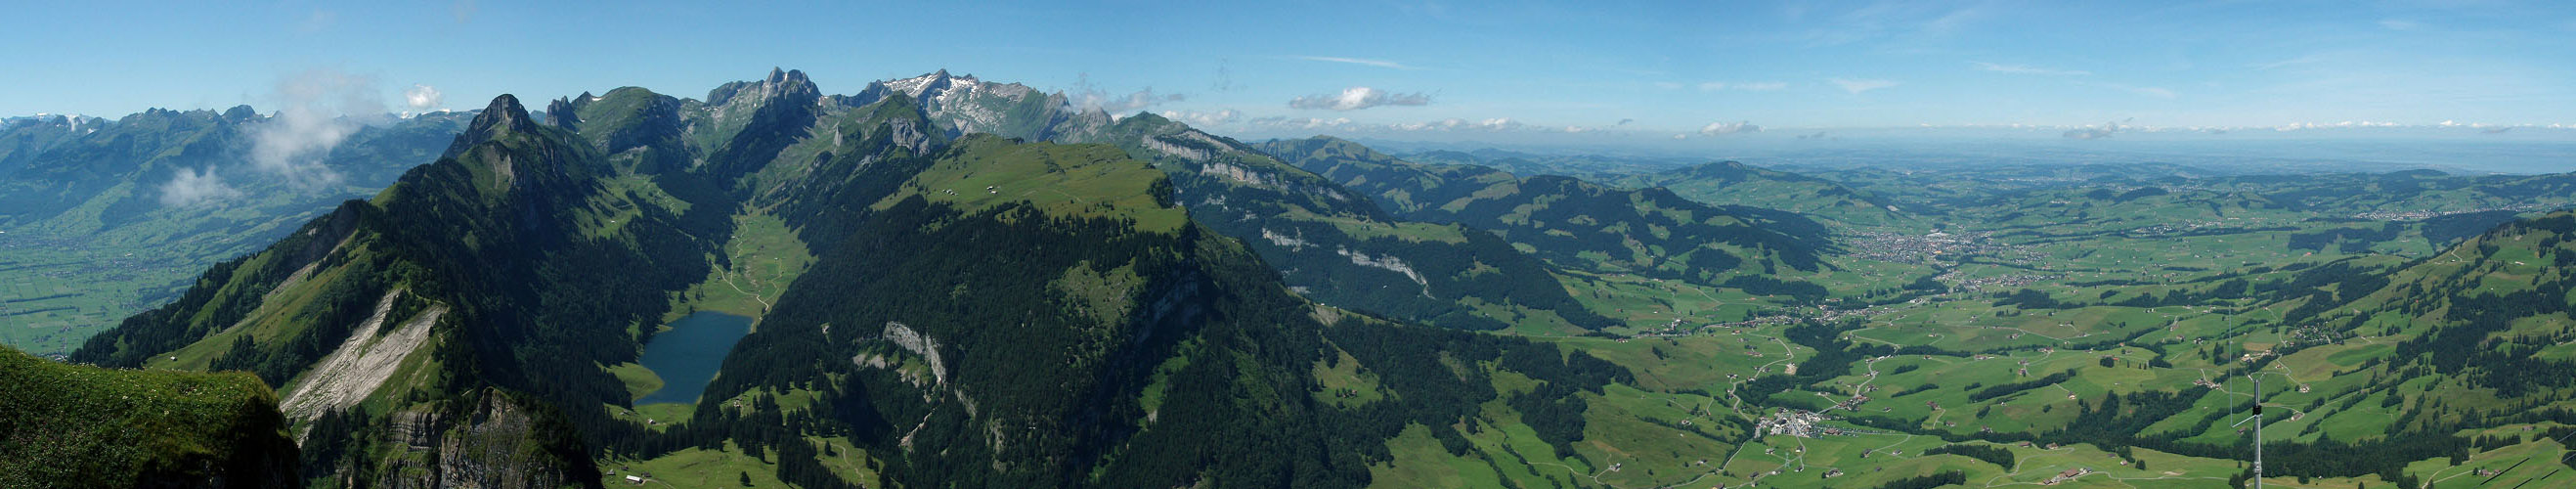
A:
x: 1073, y: 181
x: 1332, y: 244
x: 66, y: 425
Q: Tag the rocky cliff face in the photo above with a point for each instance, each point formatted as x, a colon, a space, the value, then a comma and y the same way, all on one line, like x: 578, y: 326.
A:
x: 751, y: 121
x: 789, y: 86
x: 494, y: 441
x: 562, y: 114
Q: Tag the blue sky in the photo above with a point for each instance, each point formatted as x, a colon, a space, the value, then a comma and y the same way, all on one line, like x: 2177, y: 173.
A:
x: 1641, y: 69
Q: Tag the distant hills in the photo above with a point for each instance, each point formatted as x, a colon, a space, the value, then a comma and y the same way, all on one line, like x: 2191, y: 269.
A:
x: 1732, y: 183
x: 1577, y: 224
x: 1723, y: 183
x: 106, y: 174
x: 1526, y: 164
x: 2477, y: 317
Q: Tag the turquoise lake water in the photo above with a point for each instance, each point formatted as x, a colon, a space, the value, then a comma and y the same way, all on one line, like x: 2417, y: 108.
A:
x: 688, y: 355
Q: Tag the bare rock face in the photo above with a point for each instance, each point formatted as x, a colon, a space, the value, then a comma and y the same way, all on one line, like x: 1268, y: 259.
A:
x: 562, y: 114
x: 782, y: 86
x: 767, y: 116
x: 965, y: 104
x: 496, y: 441
x: 909, y: 136
x: 919, y: 344
x: 362, y: 363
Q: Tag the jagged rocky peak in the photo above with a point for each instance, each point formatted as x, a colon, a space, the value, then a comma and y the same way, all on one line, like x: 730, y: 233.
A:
x: 777, y: 76
x: 931, y: 85
x: 74, y: 120
x: 150, y: 117
x: 781, y: 85
x: 504, y: 114
x: 240, y: 113
x: 794, y: 87
x: 562, y: 114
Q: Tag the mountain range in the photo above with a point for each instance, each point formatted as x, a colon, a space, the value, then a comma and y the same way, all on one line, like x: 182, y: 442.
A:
x: 465, y: 326
x: 946, y: 281
x: 108, y: 217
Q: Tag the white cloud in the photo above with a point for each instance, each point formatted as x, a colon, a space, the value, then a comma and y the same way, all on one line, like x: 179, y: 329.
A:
x: 1197, y: 118
x: 1089, y: 97
x: 1358, y: 61
x: 1668, y: 85
x: 1746, y: 86
x: 1856, y: 86
x: 1678, y: 137
x: 189, y: 187
x: 319, y: 108
x: 423, y: 98
x: 1121, y: 104
x: 2399, y: 25
x: 1281, y: 122
x: 2093, y: 132
x: 1454, y: 124
x: 1725, y: 128
x: 2347, y: 125
x: 1356, y: 98
x: 2027, y: 70
x: 2308, y: 59
x: 1496, y: 124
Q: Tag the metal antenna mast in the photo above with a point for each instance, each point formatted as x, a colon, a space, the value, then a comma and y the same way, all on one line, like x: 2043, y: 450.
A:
x: 2258, y: 430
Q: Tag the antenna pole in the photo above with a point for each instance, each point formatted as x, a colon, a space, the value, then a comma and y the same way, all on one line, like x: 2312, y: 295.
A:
x: 2258, y: 431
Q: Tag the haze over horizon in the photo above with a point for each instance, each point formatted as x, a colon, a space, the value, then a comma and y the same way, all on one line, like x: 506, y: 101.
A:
x: 1426, y: 71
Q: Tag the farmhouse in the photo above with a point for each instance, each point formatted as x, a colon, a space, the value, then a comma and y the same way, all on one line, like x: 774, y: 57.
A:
x: 2068, y: 475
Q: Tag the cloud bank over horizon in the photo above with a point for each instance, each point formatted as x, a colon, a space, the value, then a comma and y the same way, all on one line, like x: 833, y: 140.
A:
x: 1356, y: 98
